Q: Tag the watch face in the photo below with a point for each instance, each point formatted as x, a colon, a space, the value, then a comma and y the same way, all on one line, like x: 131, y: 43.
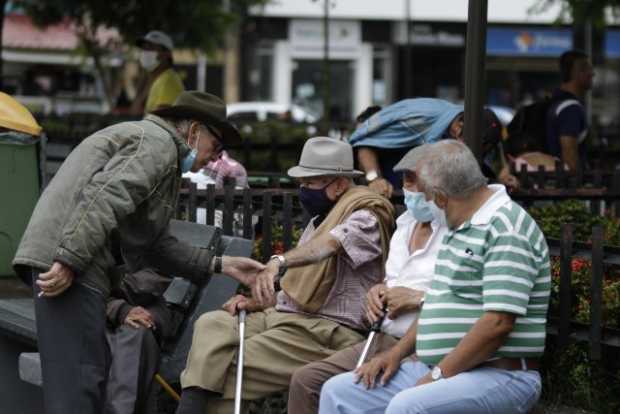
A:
x: 436, y: 373
x: 371, y: 175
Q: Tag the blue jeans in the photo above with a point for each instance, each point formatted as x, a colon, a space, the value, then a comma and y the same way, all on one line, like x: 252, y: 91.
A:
x: 482, y: 390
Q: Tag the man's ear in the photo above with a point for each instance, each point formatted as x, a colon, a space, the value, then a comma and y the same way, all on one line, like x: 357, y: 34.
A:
x: 191, y: 136
x: 342, y: 184
x: 441, y: 200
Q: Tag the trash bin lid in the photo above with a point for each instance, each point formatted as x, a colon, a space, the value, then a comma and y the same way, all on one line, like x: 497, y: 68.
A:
x: 16, y: 116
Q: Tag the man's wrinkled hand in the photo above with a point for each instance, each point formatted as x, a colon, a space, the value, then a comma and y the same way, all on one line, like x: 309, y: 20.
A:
x: 375, y: 301
x: 138, y: 316
x: 241, y: 302
x: 263, y: 289
x: 56, y: 280
x: 381, y: 186
x: 387, y: 362
x: 242, y: 269
x: 401, y: 300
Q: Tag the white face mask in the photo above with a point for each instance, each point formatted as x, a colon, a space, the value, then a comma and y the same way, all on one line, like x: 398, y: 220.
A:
x: 148, y: 59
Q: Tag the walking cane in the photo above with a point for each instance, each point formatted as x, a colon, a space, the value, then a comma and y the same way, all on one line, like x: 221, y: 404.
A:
x: 240, y: 362
x: 376, y: 327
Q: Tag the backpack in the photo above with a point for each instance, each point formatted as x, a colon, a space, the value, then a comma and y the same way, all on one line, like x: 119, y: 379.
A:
x: 527, y: 132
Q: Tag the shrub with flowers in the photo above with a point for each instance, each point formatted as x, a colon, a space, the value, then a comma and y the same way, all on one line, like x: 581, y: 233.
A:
x: 581, y: 277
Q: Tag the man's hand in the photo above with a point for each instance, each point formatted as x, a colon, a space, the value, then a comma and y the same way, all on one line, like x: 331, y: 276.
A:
x: 138, y: 316
x: 263, y: 289
x: 56, y: 280
x: 374, y: 302
x: 427, y: 379
x: 402, y: 300
x: 239, y: 302
x: 387, y: 362
x: 242, y: 269
x: 381, y: 186
x: 509, y: 180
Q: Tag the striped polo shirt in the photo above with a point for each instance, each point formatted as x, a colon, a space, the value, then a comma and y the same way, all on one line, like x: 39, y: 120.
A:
x: 496, y: 261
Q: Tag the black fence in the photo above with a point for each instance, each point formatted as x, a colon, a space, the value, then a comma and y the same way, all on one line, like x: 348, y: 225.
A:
x: 278, y: 208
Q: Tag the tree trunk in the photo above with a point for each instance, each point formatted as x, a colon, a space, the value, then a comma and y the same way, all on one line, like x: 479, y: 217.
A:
x: 94, y: 51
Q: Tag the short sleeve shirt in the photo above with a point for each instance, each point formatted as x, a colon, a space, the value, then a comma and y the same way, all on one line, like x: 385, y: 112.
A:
x: 566, y: 117
x: 358, y: 268
x: 496, y: 261
x: 164, y: 91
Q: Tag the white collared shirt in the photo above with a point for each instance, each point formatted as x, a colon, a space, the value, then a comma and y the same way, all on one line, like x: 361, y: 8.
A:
x: 411, y: 270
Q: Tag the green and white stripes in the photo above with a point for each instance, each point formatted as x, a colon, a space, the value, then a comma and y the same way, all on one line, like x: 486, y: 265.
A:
x: 500, y: 265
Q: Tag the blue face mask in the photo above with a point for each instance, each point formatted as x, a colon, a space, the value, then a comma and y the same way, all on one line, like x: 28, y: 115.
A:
x: 188, y: 161
x: 417, y: 206
x: 315, y: 201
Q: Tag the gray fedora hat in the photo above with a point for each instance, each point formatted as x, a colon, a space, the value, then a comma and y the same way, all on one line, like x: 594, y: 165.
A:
x: 325, y: 156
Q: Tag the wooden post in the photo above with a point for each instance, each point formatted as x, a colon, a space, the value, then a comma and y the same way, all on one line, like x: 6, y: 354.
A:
x: 566, y: 251
x: 615, y: 188
x: 247, y: 214
x: 540, y: 177
x: 287, y: 221
x: 228, y: 212
x: 192, y: 205
x: 267, y: 221
x: 596, y: 293
x: 210, y: 204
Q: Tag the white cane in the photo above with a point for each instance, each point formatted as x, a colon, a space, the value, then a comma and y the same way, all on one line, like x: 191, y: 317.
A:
x: 376, y: 327
x: 240, y: 362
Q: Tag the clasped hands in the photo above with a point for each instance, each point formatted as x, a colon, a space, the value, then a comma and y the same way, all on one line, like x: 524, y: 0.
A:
x: 263, y: 290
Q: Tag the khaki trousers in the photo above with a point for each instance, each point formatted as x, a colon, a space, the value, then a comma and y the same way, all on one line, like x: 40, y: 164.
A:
x: 276, y: 343
x: 306, y: 382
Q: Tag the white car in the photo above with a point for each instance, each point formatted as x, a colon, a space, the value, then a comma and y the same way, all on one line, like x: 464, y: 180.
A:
x: 242, y: 112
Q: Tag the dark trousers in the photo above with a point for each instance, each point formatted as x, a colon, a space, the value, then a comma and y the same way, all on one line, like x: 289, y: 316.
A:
x: 135, y: 360
x: 73, y: 348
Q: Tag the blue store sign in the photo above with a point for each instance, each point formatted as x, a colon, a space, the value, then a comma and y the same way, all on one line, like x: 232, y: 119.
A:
x: 612, y: 44
x: 528, y: 42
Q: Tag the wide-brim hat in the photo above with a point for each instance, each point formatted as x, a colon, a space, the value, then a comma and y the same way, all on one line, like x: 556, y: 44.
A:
x: 206, y: 108
x: 325, y: 156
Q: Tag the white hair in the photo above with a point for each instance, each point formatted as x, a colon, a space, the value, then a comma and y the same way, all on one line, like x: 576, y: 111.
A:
x: 451, y: 168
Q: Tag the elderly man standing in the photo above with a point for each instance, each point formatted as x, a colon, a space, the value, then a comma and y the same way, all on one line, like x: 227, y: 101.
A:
x: 320, y: 308
x: 482, y: 326
x: 121, y: 183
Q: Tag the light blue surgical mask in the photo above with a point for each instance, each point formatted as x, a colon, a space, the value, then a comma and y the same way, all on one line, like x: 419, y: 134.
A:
x: 188, y: 161
x: 438, y: 214
x: 417, y: 206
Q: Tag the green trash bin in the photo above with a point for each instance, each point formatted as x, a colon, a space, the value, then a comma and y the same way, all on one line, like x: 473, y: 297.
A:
x: 20, y: 183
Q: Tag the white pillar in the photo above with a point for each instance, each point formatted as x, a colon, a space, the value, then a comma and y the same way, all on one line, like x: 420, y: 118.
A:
x: 201, y: 72
x: 283, y: 75
x: 362, y: 87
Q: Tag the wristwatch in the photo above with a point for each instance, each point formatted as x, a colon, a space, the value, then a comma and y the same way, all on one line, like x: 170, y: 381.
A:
x: 372, y: 175
x: 436, y: 373
x: 282, y: 263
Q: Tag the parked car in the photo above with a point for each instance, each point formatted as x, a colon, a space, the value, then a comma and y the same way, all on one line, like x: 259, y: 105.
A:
x: 248, y: 112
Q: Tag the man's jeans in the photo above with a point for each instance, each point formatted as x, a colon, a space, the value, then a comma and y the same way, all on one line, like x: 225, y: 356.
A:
x: 482, y: 390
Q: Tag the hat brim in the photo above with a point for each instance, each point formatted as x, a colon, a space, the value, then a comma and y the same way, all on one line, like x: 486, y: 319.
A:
x: 403, y: 165
x: 303, y: 172
x: 230, y: 134
x: 141, y: 42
